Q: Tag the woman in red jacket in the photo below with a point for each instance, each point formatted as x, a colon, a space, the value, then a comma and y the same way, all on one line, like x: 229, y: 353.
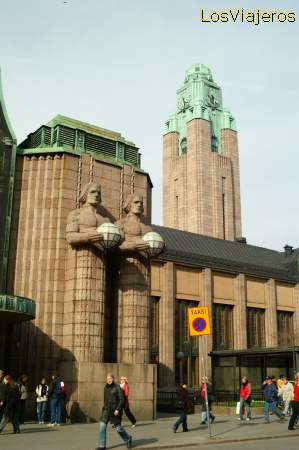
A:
x: 125, y: 387
x: 295, y: 403
x: 245, y: 398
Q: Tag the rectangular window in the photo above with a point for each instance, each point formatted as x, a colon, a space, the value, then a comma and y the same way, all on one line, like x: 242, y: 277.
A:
x: 186, y: 347
x: 223, y: 334
x: 154, y: 329
x: 285, y: 328
x: 255, y: 327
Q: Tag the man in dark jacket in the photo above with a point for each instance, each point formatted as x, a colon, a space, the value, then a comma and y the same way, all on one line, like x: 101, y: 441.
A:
x: 270, y: 396
x: 184, y: 405
x: 114, y: 402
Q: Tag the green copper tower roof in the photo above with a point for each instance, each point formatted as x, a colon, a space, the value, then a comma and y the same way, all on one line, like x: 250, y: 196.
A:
x: 200, y: 98
x: 63, y: 134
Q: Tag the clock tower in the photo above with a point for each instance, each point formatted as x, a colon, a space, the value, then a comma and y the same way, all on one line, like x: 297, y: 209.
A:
x: 201, y: 179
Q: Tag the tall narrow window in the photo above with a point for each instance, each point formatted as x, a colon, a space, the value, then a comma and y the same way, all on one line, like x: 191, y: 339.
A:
x: 223, y: 205
x: 154, y: 329
x: 255, y: 327
x: 285, y: 328
x: 177, y: 210
x: 186, y: 348
x: 223, y: 335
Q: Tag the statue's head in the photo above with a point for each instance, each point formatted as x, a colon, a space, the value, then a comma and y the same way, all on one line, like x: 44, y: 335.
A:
x: 134, y: 204
x: 91, y: 194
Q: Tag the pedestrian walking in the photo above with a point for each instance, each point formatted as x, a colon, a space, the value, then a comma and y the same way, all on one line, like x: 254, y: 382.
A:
x: 125, y: 387
x: 2, y: 393
x: 295, y: 404
x: 270, y: 397
x: 41, y: 391
x: 56, y: 393
x: 11, y: 411
x: 245, y: 398
x: 204, y: 414
x: 23, y: 380
x: 183, y: 404
x: 114, y: 403
x: 286, y: 392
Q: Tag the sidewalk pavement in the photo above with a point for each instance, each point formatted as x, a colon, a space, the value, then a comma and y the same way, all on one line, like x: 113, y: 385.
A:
x: 146, y: 435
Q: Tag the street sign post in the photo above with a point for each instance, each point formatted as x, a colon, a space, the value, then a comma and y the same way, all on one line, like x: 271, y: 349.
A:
x: 199, y: 325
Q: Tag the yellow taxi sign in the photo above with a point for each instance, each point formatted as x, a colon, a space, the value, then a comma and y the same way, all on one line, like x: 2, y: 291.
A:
x: 199, y: 321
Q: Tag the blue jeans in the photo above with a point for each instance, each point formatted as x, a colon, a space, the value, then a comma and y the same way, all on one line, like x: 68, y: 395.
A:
x: 181, y: 420
x: 247, y: 406
x: 274, y: 409
x: 102, y: 434
x: 41, y: 408
x: 56, y: 410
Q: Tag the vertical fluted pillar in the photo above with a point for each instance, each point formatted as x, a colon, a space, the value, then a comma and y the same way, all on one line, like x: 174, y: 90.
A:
x: 239, y: 313
x: 167, y: 329
x: 85, y: 304
x: 271, y: 315
x: 133, y: 309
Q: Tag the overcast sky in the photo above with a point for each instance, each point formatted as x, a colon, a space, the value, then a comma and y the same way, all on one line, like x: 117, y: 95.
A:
x: 118, y: 64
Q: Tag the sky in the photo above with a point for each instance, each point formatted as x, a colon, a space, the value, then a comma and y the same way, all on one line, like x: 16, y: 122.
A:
x: 118, y: 63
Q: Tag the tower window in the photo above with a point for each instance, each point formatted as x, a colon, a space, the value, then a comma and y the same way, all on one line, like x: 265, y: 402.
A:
x: 183, y: 146
x: 214, y: 144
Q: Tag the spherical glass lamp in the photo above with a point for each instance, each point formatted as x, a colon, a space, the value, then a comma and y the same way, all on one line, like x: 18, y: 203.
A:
x: 155, y: 241
x: 111, y: 234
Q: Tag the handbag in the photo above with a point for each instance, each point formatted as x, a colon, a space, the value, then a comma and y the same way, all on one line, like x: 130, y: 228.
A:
x: 238, y: 408
x: 180, y: 404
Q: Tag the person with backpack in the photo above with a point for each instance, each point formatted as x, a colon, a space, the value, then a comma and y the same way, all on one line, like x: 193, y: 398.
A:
x: 12, y: 402
x: 271, y: 399
x: 56, y: 394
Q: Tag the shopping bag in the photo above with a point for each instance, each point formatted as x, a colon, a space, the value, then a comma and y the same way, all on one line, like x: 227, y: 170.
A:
x: 238, y: 408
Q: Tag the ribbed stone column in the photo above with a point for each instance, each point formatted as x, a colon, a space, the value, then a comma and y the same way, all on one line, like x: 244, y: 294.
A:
x: 85, y: 304
x: 239, y: 313
x: 271, y: 315
x: 133, y: 309
x: 166, y: 329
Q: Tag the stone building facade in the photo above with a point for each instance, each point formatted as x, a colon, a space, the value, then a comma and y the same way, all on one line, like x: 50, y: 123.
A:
x: 201, y: 180
x: 253, y: 297
x: 53, y: 165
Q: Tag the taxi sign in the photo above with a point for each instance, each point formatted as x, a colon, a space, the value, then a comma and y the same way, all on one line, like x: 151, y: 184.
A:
x: 199, y: 321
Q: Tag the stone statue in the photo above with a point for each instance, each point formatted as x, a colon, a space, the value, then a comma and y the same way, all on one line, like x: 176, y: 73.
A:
x: 84, y: 302
x: 82, y: 223
x: 132, y: 227
x: 133, y: 286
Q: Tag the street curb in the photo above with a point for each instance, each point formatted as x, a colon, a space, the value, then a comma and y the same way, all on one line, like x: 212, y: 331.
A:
x: 217, y: 441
